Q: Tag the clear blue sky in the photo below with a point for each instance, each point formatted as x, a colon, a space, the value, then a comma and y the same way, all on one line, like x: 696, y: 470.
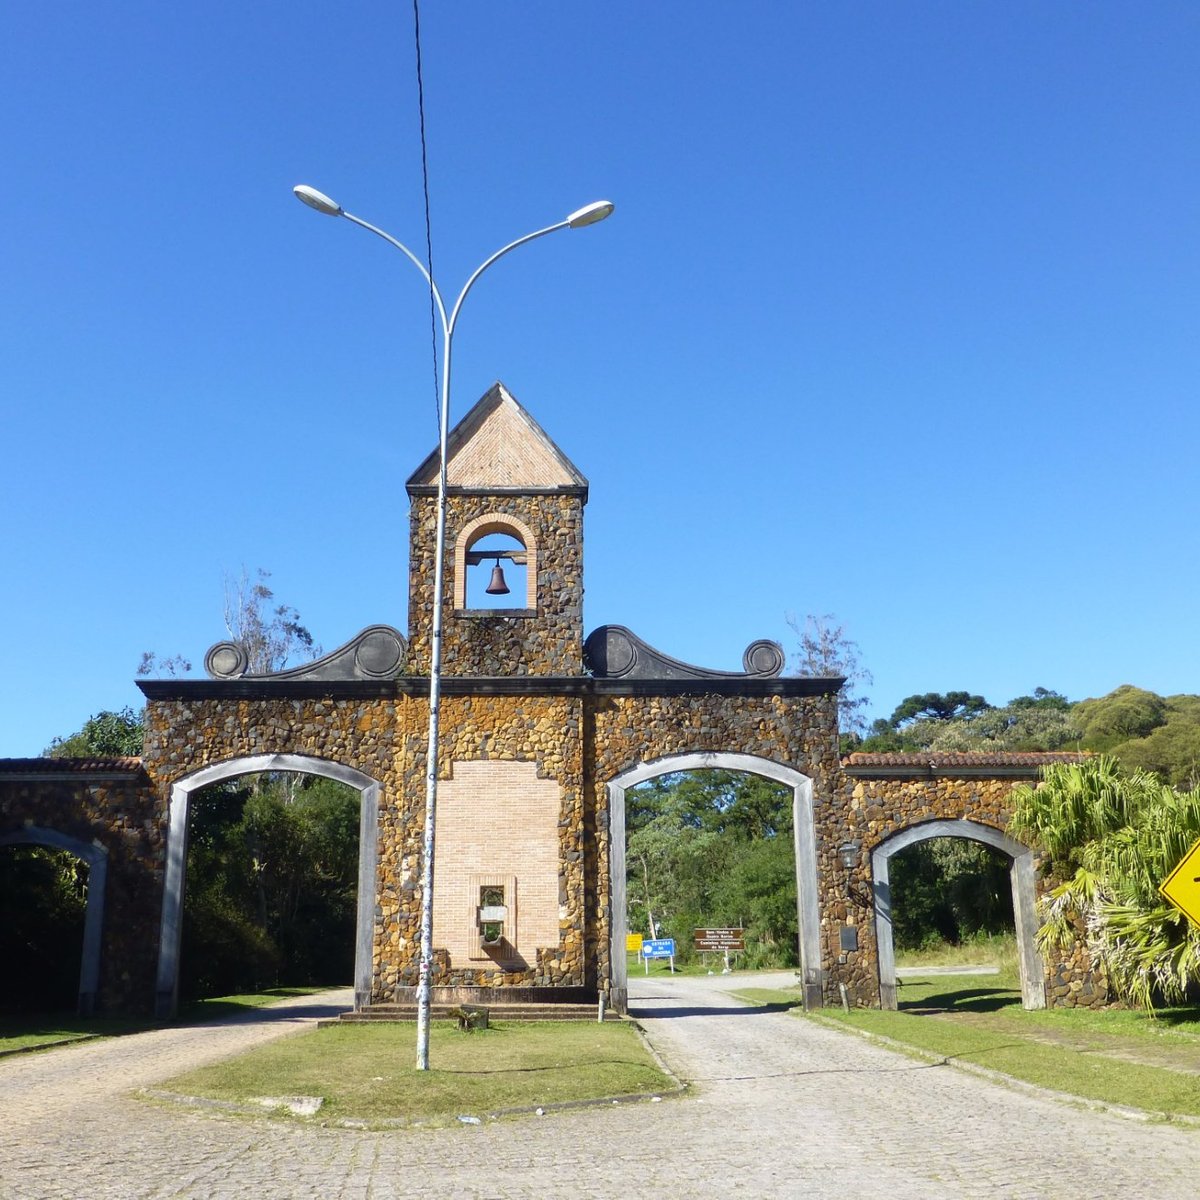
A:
x: 896, y: 319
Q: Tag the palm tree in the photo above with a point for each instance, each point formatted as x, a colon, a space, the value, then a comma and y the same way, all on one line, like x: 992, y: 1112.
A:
x: 1112, y: 837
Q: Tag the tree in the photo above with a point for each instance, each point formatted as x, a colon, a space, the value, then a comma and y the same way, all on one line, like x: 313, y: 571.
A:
x: 825, y: 650
x: 43, y: 900
x: 919, y: 718
x: 105, y: 735
x: 1145, y: 730
x: 1016, y: 726
x: 947, y: 889
x: 270, y: 634
x: 937, y: 706
x: 1128, y: 712
x: 1112, y: 836
x: 1172, y: 752
x: 272, y: 877
x: 713, y: 847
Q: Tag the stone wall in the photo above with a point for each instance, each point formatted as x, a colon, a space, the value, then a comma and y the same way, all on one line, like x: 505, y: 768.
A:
x: 884, y: 794
x: 185, y: 735
x: 499, y: 642
x: 113, y: 804
x: 385, y: 740
x: 622, y: 732
x: 1072, y: 979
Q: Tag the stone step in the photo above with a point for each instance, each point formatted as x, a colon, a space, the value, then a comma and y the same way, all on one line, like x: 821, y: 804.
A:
x: 496, y: 1012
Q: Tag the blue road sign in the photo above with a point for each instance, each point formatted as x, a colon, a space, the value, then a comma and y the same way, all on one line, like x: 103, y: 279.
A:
x: 658, y: 948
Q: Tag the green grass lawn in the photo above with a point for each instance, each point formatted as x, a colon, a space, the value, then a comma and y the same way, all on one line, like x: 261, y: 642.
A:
x: 367, y: 1071
x: 1120, y: 1057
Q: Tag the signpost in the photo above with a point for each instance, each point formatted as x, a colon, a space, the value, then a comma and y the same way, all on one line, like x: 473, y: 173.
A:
x: 633, y: 943
x: 722, y: 941
x: 658, y: 948
x: 1182, y: 886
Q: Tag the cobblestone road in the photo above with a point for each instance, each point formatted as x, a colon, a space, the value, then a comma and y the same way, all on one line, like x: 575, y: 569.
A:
x: 783, y: 1107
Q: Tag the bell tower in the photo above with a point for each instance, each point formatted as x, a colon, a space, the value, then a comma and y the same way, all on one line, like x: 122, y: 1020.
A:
x: 513, y: 587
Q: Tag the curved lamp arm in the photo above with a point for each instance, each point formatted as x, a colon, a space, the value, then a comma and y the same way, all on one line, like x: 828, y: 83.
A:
x: 412, y: 258
x: 483, y: 266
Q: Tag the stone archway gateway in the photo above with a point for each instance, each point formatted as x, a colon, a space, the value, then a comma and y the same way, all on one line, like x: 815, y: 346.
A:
x: 171, y: 929
x: 96, y: 857
x: 541, y: 733
x: 807, y: 894
x: 1024, y: 894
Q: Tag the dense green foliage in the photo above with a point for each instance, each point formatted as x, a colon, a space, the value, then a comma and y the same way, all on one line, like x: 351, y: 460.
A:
x: 713, y: 848
x: 43, y: 896
x: 1160, y: 734
x: 949, y: 890
x: 272, y: 885
x: 106, y: 735
x: 1112, y: 836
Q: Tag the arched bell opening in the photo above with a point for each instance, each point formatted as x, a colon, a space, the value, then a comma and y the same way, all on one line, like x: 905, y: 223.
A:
x: 495, y: 566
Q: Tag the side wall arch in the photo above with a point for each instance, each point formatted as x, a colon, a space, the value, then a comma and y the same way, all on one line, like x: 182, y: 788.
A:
x: 96, y: 857
x: 1024, y: 893
x: 807, y: 902
x: 166, y: 997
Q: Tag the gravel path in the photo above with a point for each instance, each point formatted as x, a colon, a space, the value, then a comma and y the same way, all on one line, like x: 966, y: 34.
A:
x: 782, y: 1107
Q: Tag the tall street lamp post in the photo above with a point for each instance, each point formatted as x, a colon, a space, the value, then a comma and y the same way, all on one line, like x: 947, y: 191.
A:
x: 588, y: 215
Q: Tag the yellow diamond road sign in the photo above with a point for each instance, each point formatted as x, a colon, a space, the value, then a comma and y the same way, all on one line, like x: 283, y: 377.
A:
x: 1182, y: 886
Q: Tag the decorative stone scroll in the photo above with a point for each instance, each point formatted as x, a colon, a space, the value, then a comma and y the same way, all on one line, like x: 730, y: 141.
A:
x: 614, y: 652
x: 376, y: 653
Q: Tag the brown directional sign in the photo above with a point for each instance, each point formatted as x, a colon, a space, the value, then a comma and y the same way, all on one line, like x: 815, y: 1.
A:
x: 720, y: 940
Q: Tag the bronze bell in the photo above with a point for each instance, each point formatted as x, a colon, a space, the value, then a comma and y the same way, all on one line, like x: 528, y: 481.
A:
x: 497, y: 586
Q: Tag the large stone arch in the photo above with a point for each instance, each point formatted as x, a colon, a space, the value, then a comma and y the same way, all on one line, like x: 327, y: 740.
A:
x: 96, y: 857
x: 166, y: 999
x: 807, y: 900
x: 1024, y: 893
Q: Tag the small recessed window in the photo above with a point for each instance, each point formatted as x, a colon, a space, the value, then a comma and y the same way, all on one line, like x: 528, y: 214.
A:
x: 491, y: 924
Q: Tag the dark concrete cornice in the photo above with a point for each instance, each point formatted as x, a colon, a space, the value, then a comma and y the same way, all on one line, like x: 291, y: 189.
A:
x: 463, y: 685
x: 999, y: 764
x: 932, y: 771
x: 565, y: 490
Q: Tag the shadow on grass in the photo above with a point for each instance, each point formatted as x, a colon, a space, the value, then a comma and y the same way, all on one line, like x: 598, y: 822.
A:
x: 975, y: 1000
x: 223, y: 1008
x: 1189, y: 1015
x: 55, y: 1028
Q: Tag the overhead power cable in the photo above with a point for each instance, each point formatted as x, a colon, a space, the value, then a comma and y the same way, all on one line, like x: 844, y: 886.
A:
x: 428, y: 223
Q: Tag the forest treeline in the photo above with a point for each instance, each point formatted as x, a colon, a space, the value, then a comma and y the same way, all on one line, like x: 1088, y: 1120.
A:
x: 1142, y: 730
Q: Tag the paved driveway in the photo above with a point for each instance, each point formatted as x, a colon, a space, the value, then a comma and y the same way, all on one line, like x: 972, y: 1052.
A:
x: 783, y: 1108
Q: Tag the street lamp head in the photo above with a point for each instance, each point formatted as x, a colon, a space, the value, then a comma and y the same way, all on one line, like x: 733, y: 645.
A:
x: 322, y: 202
x: 589, y: 214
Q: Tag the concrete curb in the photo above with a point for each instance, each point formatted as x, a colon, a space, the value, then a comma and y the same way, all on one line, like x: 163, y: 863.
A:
x: 240, y: 1108
x: 1125, y: 1111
